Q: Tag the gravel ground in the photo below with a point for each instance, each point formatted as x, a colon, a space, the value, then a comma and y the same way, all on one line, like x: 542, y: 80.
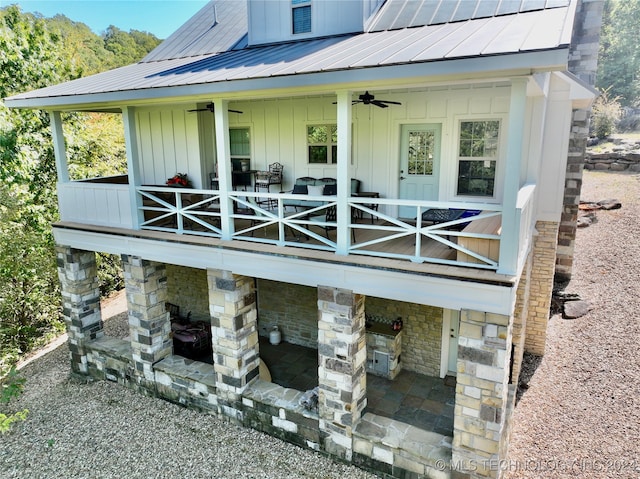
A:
x: 579, y: 418
x: 102, y: 430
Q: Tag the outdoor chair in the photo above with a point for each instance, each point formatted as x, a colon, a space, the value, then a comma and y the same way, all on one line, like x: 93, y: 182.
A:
x: 264, y: 179
x: 330, y: 217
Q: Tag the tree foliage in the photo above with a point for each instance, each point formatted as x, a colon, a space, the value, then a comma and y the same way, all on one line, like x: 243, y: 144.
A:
x: 619, y: 58
x: 36, y: 52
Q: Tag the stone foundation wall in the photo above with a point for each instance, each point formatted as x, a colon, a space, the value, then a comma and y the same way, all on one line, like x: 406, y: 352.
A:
x: 187, y: 287
x: 541, y: 286
x: 421, y: 336
x: 613, y: 162
x: 291, y: 307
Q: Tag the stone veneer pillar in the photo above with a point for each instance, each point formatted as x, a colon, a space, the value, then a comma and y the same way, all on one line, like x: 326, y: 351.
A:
x: 342, y: 355
x: 583, y: 62
x: 232, y: 305
x: 482, y: 395
x: 541, y: 286
x: 149, y: 325
x: 78, y: 277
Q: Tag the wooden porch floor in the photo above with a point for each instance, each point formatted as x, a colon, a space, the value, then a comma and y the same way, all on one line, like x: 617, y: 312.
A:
x: 404, y: 245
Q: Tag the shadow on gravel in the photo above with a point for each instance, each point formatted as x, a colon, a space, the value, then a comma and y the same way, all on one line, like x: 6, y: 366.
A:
x: 530, y: 363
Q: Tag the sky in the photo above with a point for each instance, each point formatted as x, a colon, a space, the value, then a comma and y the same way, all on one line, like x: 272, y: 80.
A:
x: 160, y: 17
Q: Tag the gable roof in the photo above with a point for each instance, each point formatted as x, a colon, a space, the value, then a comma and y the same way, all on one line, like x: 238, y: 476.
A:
x: 209, y: 53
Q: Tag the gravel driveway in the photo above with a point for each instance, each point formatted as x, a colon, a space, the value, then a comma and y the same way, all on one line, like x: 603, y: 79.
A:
x: 582, y: 405
x: 580, y: 417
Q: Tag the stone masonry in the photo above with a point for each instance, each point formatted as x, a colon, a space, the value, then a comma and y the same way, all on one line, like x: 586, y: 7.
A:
x: 342, y: 355
x: 80, y: 302
x: 232, y: 302
x: 482, y: 394
x: 583, y: 62
x: 521, y: 313
x: 541, y: 286
x: 149, y: 325
x: 188, y: 288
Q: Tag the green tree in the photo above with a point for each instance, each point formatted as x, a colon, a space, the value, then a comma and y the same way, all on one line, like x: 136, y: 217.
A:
x: 619, y: 58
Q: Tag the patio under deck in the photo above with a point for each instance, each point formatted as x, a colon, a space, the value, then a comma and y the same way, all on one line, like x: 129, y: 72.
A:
x: 421, y: 401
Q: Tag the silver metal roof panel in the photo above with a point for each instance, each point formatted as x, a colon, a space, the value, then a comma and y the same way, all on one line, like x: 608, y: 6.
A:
x: 542, y: 30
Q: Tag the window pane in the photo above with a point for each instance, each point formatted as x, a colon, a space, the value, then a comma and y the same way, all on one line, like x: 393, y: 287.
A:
x: 302, y: 19
x: 421, y: 146
x: 239, y: 143
x: 479, y: 139
x: 334, y: 153
x: 317, y: 154
x: 316, y: 134
x: 476, y: 178
x: 334, y: 133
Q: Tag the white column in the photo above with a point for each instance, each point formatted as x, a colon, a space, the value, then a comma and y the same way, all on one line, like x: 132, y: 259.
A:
x: 59, y: 148
x: 223, y: 157
x: 510, y: 239
x: 343, y: 171
x: 133, y: 163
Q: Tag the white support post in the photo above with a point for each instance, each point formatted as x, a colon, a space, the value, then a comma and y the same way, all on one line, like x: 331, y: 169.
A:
x: 343, y: 172
x: 223, y: 155
x: 59, y: 148
x: 510, y: 238
x: 133, y: 164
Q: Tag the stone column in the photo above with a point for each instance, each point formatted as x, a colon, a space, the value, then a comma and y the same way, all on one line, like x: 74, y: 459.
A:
x: 236, y: 355
x: 583, y: 62
x: 482, y: 395
x: 149, y: 325
x: 541, y: 286
x: 342, y: 354
x: 80, y: 302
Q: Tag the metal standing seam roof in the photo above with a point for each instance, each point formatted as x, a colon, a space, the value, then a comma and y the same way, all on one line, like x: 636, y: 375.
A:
x: 180, y: 60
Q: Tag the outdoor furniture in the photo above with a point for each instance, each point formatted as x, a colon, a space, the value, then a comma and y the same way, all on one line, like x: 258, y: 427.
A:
x: 372, y: 206
x: 264, y: 179
x: 319, y: 187
x: 330, y: 217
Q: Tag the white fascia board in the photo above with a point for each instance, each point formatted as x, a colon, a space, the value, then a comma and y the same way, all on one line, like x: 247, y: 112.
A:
x: 582, y: 95
x: 508, y: 64
x: 422, y: 289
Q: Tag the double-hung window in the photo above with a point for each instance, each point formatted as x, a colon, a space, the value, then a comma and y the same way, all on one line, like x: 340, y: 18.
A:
x: 300, y: 16
x: 322, y: 143
x: 477, y: 157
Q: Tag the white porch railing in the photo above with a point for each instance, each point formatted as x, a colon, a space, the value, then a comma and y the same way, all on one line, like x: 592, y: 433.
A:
x: 372, y: 230
x: 265, y: 218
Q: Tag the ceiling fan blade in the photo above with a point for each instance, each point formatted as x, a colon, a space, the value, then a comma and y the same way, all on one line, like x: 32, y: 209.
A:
x: 390, y: 102
x: 200, y: 109
x: 236, y: 111
x: 379, y: 103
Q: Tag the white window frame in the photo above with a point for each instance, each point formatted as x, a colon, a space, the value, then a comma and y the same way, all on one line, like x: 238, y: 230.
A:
x: 296, y: 4
x: 496, y: 158
x: 329, y: 143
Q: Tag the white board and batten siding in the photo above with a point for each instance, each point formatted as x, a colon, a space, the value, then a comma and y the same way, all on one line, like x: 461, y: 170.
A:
x: 95, y: 203
x: 278, y: 132
x: 168, y: 143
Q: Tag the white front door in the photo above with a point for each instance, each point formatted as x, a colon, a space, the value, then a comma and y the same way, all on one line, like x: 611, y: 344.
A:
x: 419, y: 164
